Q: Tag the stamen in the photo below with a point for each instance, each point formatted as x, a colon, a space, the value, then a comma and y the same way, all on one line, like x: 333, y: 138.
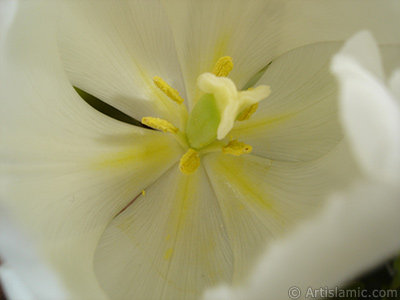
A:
x: 167, y: 90
x: 248, y: 112
x: 159, y: 124
x: 223, y: 66
x: 236, y: 148
x: 190, y: 161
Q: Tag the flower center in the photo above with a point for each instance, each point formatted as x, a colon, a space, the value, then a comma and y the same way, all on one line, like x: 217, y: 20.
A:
x: 214, y: 114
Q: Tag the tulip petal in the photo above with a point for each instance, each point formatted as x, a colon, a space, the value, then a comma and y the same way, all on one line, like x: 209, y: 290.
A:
x: 369, y: 111
x: 7, y: 12
x: 170, y: 243
x: 257, y: 32
x: 113, y: 49
x: 357, y: 230
x: 394, y: 84
x: 299, y: 120
x: 22, y: 270
x: 261, y: 199
x: 66, y: 170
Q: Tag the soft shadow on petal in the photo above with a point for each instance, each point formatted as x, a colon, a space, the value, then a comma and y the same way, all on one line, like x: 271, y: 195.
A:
x: 66, y: 170
x: 261, y: 199
x: 299, y: 120
x: 312, y: 21
x: 113, y: 49
x: 357, y: 230
x: 171, y: 243
x: 370, y: 112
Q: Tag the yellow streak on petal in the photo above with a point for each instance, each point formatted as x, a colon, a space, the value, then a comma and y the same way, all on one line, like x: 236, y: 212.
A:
x: 168, y: 253
x: 223, y: 66
x: 189, y: 162
x: 236, y: 148
x: 253, y: 192
x: 123, y: 158
x: 253, y: 126
x: 143, y: 192
x: 141, y: 154
x: 167, y: 90
x: 159, y: 124
x: 247, y: 113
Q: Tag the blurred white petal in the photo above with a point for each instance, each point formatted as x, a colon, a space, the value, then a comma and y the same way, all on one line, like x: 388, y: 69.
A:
x: 394, y: 84
x: 355, y: 232
x: 369, y: 110
x: 25, y: 271
x: 7, y: 12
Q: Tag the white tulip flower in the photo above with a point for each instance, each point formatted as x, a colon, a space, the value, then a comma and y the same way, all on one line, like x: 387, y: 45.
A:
x: 247, y: 140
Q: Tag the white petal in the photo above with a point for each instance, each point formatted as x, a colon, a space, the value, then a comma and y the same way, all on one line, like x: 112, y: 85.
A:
x: 356, y: 231
x: 365, y: 52
x: 169, y: 244
x: 113, y: 49
x: 14, y: 288
x: 312, y: 21
x: 261, y: 199
x: 7, y: 12
x: 299, y: 120
x: 23, y: 274
x: 254, y: 33
x: 369, y: 111
x: 394, y: 84
x: 66, y: 170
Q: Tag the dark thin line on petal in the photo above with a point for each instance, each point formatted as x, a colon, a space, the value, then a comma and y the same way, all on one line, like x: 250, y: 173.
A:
x: 133, y: 200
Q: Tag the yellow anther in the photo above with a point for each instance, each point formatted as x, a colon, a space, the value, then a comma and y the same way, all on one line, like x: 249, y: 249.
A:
x: 143, y: 192
x: 167, y: 90
x: 223, y: 66
x: 190, y: 161
x: 247, y: 113
x: 236, y: 148
x: 159, y: 124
